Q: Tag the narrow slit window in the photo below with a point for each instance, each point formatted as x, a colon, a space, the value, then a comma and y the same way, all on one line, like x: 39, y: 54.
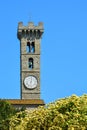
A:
x: 30, y: 62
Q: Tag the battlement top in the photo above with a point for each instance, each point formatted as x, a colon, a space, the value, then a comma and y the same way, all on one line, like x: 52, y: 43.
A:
x: 30, y: 26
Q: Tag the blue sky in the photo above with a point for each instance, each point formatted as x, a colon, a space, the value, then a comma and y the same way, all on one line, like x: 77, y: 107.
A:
x: 63, y: 46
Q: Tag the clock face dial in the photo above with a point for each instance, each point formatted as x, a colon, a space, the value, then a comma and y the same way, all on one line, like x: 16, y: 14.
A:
x: 30, y: 82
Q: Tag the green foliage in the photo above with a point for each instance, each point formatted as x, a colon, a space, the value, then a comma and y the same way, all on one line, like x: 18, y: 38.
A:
x: 63, y: 114
x: 6, y: 111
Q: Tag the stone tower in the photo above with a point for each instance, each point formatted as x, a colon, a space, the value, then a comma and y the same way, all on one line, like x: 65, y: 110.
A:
x: 30, y: 37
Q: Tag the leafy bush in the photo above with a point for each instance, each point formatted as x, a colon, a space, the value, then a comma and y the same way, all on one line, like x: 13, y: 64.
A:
x: 6, y: 111
x: 64, y: 113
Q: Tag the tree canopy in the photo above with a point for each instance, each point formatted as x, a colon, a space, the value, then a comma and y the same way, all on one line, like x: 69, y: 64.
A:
x: 66, y: 113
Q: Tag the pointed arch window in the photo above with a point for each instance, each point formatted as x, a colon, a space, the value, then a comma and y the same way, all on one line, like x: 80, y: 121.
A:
x: 30, y: 63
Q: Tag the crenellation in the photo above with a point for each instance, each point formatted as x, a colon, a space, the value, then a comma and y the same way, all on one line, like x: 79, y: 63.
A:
x: 31, y: 27
x: 20, y: 24
x: 30, y: 24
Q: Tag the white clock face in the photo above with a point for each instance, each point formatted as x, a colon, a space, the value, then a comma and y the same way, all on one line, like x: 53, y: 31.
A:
x: 30, y: 82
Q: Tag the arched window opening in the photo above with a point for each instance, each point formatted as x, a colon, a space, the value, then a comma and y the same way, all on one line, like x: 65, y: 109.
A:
x: 30, y: 62
x: 28, y: 47
x: 32, y: 47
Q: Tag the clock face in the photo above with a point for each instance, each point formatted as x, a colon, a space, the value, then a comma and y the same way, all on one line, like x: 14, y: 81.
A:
x: 30, y: 82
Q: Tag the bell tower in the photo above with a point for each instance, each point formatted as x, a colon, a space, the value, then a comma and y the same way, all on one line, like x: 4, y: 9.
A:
x: 30, y: 38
